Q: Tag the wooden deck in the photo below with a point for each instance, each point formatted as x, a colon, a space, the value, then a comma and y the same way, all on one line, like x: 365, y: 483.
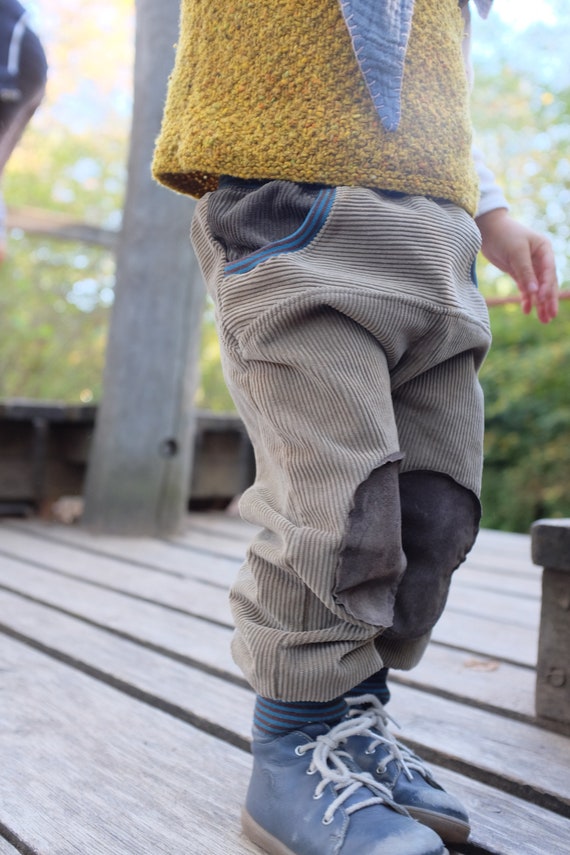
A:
x: 124, y: 723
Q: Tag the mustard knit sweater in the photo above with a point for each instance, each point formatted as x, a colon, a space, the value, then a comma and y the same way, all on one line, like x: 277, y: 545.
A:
x: 271, y: 89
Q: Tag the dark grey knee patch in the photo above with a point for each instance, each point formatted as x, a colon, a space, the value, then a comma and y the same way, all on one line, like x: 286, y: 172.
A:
x: 372, y: 560
x: 440, y: 521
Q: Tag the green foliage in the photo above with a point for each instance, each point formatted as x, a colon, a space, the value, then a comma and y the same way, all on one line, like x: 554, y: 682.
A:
x: 212, y: 393
x: 525, y: 379
x: 54, y: 295
x: 54, y: 308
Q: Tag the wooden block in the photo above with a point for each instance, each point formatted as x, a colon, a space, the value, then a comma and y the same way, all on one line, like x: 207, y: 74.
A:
x: 551, y: 549
x: 551, y: 543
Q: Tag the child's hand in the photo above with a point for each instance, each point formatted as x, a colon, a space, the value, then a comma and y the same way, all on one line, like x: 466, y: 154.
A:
x: 526, y: 256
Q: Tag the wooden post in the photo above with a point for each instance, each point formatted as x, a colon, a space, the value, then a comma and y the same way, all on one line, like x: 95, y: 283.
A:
x: 140, y: 463
x: 551, y: 550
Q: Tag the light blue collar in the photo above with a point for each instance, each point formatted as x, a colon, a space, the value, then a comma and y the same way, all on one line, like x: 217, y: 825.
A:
x: 380, y: 30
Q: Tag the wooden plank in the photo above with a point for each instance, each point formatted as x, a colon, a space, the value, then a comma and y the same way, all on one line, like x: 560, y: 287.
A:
x: 228, y: 522
x: 501, y: 823
x: 204, y: 600
x: 52, y: 224
x: 208, y: 644
x: 489, y: 580
x: 156, y: 626
x: 511, y: 542
x: 198, y: 563
x: 499, y: 606
x: 485, y: 556
x: 482, y: 687
x: 7, y: 848
x: 187, y: 594
x: 450, y: 671
x: 481, y: 681
x: 143, y: 551
x: 109, y: 774
x: 216, y: 705
x: 203, y: 537
x: 526, y: 758
x: 485, y: 637
x: 504, y: 824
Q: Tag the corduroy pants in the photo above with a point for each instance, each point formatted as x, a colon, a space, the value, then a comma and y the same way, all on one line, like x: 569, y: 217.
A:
x: 351, y: 348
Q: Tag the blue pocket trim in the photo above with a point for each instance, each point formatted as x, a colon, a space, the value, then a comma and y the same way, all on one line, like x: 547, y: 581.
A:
x: 474, y: 273
x: 307, y: 231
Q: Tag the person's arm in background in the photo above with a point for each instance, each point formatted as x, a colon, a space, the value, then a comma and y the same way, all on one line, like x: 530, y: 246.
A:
x: 23, y: 73
x: 524, y: 254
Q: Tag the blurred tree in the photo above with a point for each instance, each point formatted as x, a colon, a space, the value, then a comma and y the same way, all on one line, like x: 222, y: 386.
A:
x: 527, y: 460
x: 54, y: 296
x: 521, y: 110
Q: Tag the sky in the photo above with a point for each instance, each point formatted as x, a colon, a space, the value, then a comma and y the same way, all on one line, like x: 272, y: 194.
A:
x: 520, y: 14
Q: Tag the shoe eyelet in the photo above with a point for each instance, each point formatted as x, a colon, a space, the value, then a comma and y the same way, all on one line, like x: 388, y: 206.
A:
x: 326, y: 821
x: 311, y: 771
x: 299, y: 751
x: 317, y: 795
x: 370, y: 751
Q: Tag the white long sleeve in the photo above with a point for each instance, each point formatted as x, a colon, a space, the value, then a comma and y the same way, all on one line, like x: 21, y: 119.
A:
x: 491, y: 195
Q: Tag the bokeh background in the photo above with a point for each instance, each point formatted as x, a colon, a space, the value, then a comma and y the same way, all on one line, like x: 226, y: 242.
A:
x: 56, y: 295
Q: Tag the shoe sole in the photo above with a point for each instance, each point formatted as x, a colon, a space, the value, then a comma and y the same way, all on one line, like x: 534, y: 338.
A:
x: 261, y: 837
x: 449, y: 829
x: 266, y: 841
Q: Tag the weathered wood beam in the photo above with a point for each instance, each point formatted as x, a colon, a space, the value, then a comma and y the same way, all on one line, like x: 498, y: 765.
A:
x: 551, y: 550
x: 139, y: 466
x: 52, y: 224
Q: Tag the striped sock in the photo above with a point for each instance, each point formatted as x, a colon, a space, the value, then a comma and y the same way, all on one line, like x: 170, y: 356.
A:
x: 374, y: 685
x: 273, y: 718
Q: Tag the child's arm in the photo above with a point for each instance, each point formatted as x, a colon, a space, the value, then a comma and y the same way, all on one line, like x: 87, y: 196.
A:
x: 525, y: 255
x: 522, y: 253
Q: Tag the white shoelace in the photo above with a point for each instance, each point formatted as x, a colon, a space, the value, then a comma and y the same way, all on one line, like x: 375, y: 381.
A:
x: 328, y: 762
x: 369, y: 705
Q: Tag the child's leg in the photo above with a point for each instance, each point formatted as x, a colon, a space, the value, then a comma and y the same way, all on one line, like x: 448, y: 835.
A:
x: 317, y: 339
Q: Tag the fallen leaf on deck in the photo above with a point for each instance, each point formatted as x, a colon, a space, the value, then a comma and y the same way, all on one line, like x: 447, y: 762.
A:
x: 482, y: 665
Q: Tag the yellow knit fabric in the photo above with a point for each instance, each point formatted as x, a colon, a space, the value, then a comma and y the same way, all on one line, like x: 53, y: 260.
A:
x: 272, y: 89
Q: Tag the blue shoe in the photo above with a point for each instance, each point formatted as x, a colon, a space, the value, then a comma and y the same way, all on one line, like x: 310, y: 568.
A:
x: 307, y: 797
x: 410, y: 782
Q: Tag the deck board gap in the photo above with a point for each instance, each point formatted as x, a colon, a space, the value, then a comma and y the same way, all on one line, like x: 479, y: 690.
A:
x: 90, y: 550
x: 105, y: 586
x: 44, y: 532
x: 223, y: 674
x: 148, y: 698
x: 475, y: 614
x: 17, y: 844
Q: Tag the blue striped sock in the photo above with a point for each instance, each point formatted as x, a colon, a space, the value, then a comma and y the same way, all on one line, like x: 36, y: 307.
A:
x: 273, y: 718
x: 374, y: 685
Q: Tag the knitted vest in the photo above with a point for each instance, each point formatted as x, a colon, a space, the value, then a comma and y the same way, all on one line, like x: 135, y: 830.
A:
x: 272, y: 90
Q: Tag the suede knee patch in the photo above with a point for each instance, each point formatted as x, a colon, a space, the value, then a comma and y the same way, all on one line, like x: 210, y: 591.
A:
x: 372, y: 560
x: 440, y: 521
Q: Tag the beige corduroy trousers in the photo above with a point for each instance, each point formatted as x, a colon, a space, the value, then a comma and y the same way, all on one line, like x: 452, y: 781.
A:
x: 351, y: 351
